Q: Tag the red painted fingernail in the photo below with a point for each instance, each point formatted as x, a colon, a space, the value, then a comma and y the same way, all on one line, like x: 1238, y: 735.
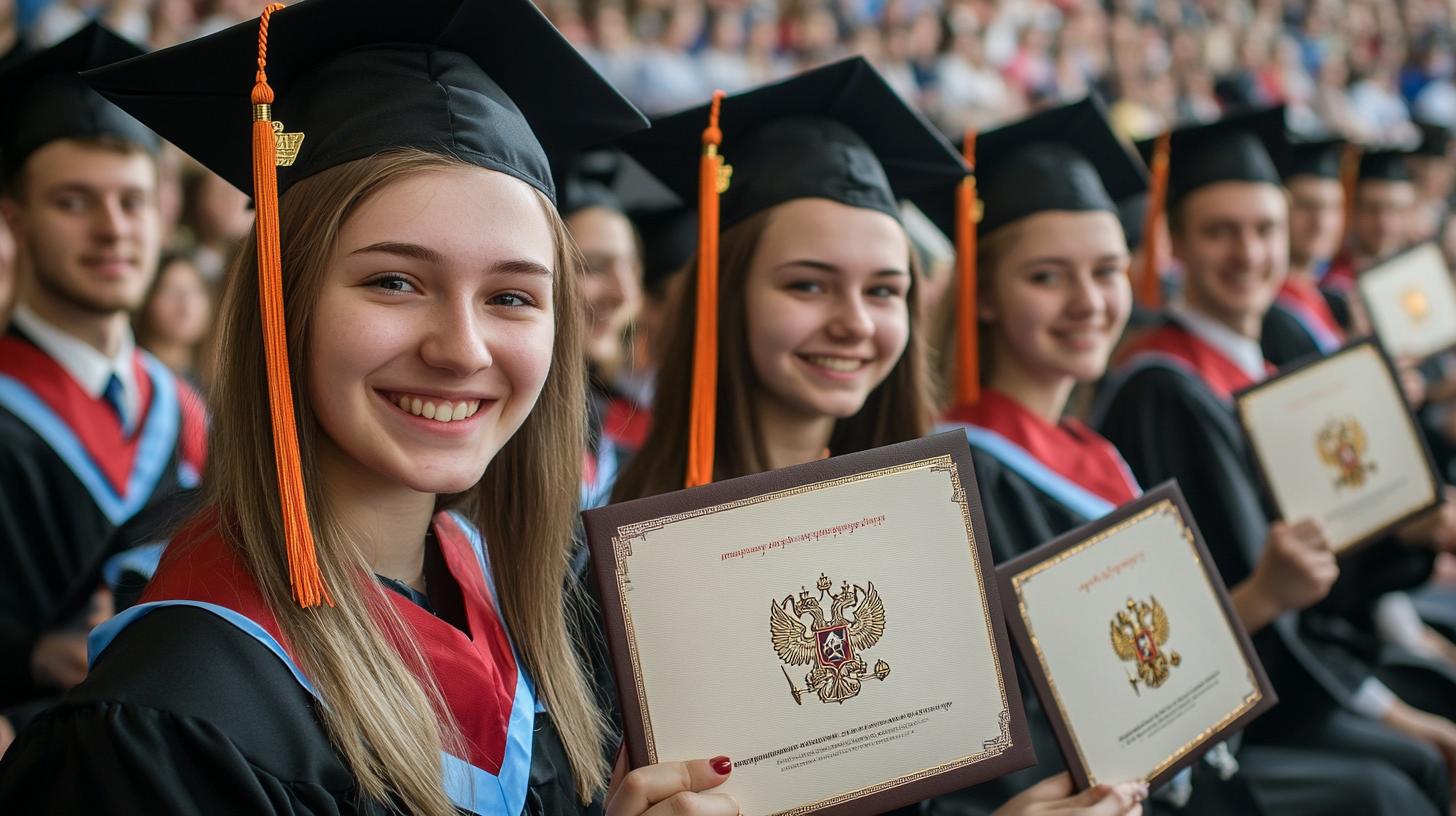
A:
x: 722, y: 765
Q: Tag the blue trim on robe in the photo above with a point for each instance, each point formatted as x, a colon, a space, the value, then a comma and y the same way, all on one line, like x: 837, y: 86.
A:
x: 599, y: 492
x: 141, y: 560
x: 159, y: 436
x: 469, y: 787
x: 1079, y: 499
x: 1323, y: 339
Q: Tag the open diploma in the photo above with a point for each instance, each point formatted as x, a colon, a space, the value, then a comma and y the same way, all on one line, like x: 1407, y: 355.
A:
x: 1336, y: 442
x: 1132, y: 644
x: 1412, y: 302
x: 832, y: 634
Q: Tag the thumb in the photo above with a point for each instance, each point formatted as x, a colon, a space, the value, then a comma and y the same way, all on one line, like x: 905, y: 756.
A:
x: 1108, y: 800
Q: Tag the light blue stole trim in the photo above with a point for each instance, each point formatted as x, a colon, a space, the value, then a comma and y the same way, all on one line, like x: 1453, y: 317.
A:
x: 187, y: 475
x: 154, y: 449
x: 141, y: 560
x: 1079, y: 499
x: 469, y: 787
x: 599, y: 492
x: 1322, y: 337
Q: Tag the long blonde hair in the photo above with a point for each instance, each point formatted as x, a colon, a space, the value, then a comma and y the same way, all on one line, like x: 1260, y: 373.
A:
x: 389, y: 726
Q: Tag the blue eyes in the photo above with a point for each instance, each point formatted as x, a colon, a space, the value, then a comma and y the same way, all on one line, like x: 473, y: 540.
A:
x: 400, y: 285
x: 393, y: 283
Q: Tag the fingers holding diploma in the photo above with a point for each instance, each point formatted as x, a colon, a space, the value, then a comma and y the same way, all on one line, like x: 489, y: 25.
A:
x: 671, y: 789
x: 1054, y: 796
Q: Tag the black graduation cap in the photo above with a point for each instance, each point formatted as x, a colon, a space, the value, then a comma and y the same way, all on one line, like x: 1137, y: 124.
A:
x: 1244, y: 147
x: 1323, y: 158
x: 669, y: 242
x: 1067, y: 158
x: 490, y: 81
x: 43, y: 99
x: 586, y: 181
x: 837, y: 132
x: 1132, y: 212
x: 1435, y: 140
x: 1384, y: 165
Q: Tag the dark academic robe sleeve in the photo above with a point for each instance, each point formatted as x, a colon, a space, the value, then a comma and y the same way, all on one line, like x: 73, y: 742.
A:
x: 1283, y: 339
x: 1167, y: 426
x: 186, y: 714
x: 1019, y: 517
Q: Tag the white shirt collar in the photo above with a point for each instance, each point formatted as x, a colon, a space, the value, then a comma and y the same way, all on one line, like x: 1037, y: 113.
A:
x: 1243, y: 351
x: 87, y: 366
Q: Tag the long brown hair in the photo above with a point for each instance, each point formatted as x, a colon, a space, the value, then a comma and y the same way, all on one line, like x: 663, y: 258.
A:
x: 389, y: 726
x: 897, y: 410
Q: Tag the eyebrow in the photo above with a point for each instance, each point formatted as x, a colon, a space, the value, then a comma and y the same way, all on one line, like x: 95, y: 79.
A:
x: 829, y: 267
x: 1062, y: 261
x: 518, y: 266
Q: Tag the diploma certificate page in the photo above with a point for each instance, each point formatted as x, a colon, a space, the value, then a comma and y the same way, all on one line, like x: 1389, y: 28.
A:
x: 1412, y: 302
x: 1336, y: 442
x: 832, y: 638
x: 1142, y: 662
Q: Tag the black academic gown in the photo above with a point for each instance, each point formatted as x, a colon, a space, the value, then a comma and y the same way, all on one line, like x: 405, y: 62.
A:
x: 188, y: 710
x: 67, y: 491
x: 1284, y: 338
x: 1169, y: 424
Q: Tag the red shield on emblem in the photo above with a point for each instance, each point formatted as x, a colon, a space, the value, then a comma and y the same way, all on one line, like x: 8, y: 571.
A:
x: 834, y: 647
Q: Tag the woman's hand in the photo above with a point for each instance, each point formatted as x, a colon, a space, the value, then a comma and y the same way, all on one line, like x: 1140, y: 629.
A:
x: 1053, y: 796
x: 671, y: 789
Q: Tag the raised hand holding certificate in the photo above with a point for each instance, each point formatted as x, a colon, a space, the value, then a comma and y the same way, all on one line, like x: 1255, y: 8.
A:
x: 1132, y: 644
x: 1334, y: 440
x: 1411, y: 299
x: 833, y: 627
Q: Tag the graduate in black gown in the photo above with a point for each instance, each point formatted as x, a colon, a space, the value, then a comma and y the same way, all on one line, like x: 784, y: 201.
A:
x: 1167, y: 408
x: 818, y: 326
x: 94, y: 432
x: 367, y: 615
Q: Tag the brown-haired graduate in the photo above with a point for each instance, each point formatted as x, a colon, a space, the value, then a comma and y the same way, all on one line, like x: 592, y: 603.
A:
x: 368, y: 615
x: 817, y: 339
x: 1054, y: 296
x: 94, y: 432
x: 1167, y: 407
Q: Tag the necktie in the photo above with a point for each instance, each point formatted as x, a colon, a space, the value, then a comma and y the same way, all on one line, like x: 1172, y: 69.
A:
x: 115, y: 396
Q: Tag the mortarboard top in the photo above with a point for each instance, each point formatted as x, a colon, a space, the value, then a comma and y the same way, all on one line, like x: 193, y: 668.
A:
x: 1243, y: 147
x: 1067, y: 158
x: 1321, y: 159
x: 1384, y: 164
x: 490, y: 81
x: 605, y: 177
x: 44, y: 100
x: 838, y: 132
x: 669, y: 242
x: 1435, y: 140
x: 1132, y: 211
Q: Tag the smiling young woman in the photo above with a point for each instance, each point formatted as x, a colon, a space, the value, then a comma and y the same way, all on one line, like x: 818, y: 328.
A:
x: 380, y: 626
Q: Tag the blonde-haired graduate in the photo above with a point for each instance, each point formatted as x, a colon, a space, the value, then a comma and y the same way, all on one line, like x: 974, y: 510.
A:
x: 813, y: 338
x: 368, y: 615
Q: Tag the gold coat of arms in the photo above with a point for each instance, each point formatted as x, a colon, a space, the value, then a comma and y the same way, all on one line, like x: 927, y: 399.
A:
x: 833, y: 645
x: 1139, y: 634
x: 1341, y: 444
x: 1415, y: 304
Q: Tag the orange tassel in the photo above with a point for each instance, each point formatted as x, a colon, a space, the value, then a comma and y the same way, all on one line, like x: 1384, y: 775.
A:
x: 968, y: 368
x: 1349, y: 178
x: 702, y: 421
x: 1150, y: 280
x: 303, y: 570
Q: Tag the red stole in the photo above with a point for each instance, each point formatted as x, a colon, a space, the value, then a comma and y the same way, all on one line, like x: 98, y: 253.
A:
x: 1306, y: 299
x: 1222, y: 375
x: 1070, y: 448
x: 476, y: 673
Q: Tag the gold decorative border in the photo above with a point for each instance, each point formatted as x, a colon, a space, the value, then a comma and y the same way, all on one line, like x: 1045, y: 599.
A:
x: 1167, y: 508
x: 1365, y: 350
x: 622, y: 550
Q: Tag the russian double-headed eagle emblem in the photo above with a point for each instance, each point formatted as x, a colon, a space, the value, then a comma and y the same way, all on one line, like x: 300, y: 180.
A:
x: 833, y: 646
x: 1139, y: 634
x: 1341, y: 444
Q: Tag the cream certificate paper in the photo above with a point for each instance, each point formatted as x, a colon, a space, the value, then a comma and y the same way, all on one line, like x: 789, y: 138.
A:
x: 1336, y: 443
x: 1412, y: 302
x: 827, y: 636
x: 1142, y: 662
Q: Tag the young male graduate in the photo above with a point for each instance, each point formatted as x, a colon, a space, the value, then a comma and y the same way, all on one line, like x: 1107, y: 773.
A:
x: 1300, y: 322
x: 93, y: 430
x: 1168, y: 410
x: 1380, y: 216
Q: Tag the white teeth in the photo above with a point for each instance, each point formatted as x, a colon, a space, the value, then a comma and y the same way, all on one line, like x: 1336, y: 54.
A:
x: 837, y: 363
x: 439, y: 411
